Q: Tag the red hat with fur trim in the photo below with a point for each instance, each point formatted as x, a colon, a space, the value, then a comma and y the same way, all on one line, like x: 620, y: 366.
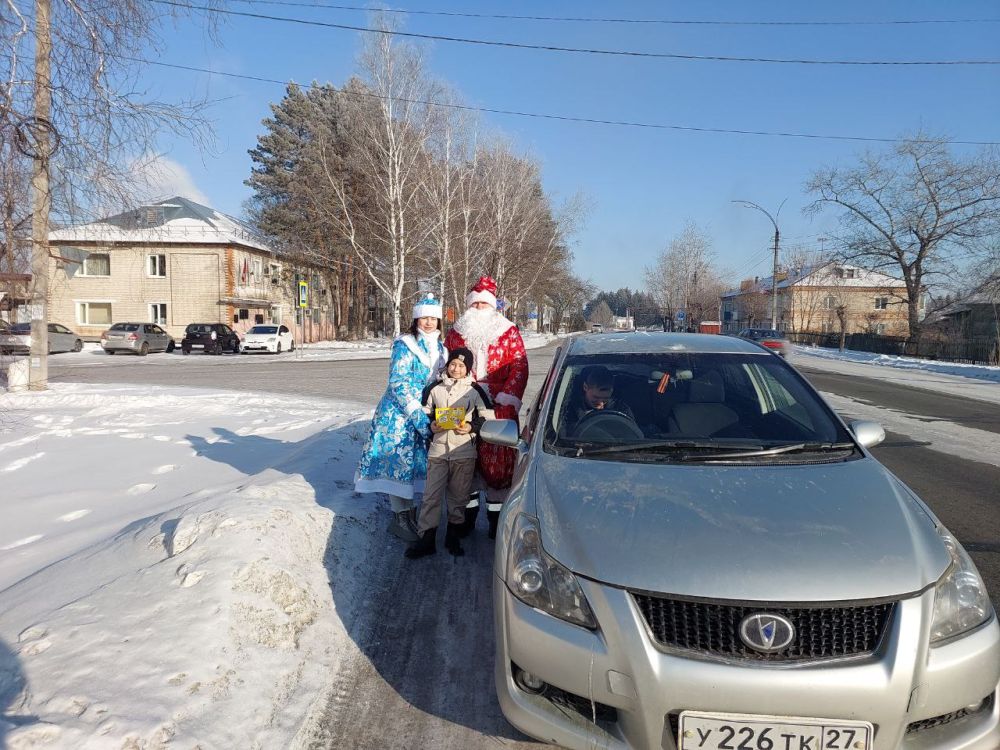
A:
x: 485, y: 290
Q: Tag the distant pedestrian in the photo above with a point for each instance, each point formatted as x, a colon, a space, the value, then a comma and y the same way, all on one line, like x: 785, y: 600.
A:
x: 394, y: 458
x: 457, y: 405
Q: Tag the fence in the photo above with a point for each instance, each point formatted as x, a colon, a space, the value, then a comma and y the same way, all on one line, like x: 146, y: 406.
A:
x: 982, y: 350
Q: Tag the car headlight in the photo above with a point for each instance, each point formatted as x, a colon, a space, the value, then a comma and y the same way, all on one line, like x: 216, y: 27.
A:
x: 960, y: 599
x: 540, y: 581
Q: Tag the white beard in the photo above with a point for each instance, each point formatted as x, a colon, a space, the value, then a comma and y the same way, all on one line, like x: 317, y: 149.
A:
x: 480, y: 328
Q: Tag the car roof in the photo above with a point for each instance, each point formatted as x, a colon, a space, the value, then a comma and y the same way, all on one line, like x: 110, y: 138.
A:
x: 650, y: 342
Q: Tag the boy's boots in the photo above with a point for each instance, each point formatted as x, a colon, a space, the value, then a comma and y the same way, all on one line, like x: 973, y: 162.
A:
x: 471, y: 514
x: 452, y: 539
x: 403, y: 525
x: 424, y: 545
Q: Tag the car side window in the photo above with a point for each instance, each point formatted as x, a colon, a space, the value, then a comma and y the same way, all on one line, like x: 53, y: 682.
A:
x: 283, y: 329
x: 540, y: 399
x: 156, y: 329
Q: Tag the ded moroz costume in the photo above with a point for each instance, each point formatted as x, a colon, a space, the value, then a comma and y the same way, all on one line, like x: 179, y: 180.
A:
x: 501, y: 367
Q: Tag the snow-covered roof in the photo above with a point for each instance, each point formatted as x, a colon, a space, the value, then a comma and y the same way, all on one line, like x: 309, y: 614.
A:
x: 824, y: 274
x: 174, y: 221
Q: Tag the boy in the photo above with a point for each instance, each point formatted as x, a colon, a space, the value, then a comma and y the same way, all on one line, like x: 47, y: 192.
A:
x: 457, y: 405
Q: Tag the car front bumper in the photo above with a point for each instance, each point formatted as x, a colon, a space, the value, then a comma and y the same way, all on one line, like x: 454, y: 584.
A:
x: 635, y: 690
x: 259, y: 346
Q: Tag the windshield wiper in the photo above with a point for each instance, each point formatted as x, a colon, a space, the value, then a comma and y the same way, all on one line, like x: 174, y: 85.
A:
x: 678, y: 445
x: 780, y: 449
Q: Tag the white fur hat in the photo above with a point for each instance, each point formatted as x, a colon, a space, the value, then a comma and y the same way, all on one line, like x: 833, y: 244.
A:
x: 428, y: 307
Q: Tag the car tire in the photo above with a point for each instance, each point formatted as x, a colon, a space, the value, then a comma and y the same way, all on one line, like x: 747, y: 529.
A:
x: 277, y: 349
x: 109, y: 351
x: 236, y: 346
x: 292, y: 347
x: 186, y: 350
x: 78, y: 346
x: 171, y: 346
x: 143, y: 350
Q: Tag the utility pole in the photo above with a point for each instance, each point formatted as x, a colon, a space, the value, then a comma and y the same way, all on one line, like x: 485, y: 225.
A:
x: 38, y: 372
x: 774, y: 272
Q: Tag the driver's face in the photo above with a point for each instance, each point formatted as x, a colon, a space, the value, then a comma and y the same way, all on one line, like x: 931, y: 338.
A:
x: 596, y: 396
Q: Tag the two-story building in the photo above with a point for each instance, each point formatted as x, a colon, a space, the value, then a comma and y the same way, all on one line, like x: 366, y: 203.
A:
x: 177, y: 262
x: 810, y: 300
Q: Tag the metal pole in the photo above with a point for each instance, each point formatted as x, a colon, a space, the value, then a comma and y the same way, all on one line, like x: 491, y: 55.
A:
x: 38, y: 372
x: 774, y: 271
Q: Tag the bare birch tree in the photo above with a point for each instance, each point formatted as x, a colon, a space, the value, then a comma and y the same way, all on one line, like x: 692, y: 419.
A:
x: 388, y: 147
x: 683, y: 271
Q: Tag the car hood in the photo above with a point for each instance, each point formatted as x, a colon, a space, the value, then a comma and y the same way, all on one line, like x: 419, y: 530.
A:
x: 821, y: 532
x: 260, y: 336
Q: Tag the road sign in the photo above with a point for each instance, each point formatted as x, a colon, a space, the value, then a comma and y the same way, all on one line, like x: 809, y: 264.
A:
x: 303, y: 294
x: 680, y: 315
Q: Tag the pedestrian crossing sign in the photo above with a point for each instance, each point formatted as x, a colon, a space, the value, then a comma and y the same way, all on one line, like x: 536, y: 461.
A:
x: 303, y: 294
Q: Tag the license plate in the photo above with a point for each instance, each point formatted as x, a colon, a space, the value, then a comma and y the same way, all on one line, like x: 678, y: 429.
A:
x: 711, y: 731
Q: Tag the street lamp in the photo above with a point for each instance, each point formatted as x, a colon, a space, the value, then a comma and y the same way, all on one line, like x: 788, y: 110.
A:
x: 774, y: 273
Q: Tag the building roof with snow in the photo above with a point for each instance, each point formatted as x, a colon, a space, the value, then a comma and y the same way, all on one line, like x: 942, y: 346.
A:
x: 173, y: 221
x: 823, y: 275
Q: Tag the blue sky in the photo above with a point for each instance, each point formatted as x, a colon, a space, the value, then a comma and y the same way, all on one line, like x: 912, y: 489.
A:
x: 642, y: 185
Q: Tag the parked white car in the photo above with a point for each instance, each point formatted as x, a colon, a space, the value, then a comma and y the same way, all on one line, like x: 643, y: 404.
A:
x: 274, y: 339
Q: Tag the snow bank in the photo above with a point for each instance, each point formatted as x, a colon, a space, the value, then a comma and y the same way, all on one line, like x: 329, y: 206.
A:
x: 175, y: 565
x: 213, y: 631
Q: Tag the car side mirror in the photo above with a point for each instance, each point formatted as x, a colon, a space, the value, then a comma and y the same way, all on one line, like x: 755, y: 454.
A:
x: 503, y: 432
x: 869, y: 434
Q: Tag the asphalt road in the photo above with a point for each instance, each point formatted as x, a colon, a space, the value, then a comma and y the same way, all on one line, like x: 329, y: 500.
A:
x: 422, y: 672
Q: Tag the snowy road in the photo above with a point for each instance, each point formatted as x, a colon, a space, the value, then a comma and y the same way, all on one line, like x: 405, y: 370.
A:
x: 414, y: 665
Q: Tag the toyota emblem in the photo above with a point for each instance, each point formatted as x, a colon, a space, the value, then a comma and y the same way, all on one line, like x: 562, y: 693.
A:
x: 767, y: 633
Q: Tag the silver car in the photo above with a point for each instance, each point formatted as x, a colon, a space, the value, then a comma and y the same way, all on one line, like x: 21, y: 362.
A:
x: 140, y: 338
x: 17, y: 340
x: 697, y: 553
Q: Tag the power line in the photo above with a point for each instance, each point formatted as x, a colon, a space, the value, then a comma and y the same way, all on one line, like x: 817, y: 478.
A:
x: 578, y: 50
x: 588, y: 19
x: 569, y: 118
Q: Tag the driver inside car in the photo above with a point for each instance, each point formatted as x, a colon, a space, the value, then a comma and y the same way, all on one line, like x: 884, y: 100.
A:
x: 597, y: 387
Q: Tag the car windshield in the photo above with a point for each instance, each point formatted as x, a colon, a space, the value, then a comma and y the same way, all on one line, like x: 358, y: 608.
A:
x: 264, y: 329
x: 21, y: 328
x: 761, y: 333
x: 688, y: 406
x: 125, y: 327
x: 199, y: 328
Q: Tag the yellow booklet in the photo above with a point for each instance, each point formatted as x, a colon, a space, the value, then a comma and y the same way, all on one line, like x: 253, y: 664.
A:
x: 449, y: 417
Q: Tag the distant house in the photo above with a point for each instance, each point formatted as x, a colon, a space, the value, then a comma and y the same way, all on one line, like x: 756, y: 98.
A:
x: 177, y: 262
x: 809, y: 300
x: 977, y: 316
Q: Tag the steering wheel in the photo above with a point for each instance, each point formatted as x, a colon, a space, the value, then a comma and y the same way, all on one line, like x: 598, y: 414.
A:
x: 607, y: 424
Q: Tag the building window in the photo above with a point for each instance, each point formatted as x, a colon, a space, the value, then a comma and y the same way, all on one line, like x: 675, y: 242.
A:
x: 158, y: 313
x: 881, y: 303
x: 158, y: 265
x: 257, y: 270
x: 97, y: 264
x: 93, y: 313
x: 244, y: 314
x: 830, y: 302
x: 879, y: 328
x: 844, y: 273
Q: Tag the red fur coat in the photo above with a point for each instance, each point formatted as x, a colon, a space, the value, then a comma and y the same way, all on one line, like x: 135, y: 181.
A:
x: 505, y: 376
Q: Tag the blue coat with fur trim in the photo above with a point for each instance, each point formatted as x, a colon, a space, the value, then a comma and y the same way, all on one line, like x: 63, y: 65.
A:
x: 394, y: 459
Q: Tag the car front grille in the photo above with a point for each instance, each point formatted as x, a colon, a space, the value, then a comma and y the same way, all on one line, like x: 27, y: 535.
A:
x: 713, y: 629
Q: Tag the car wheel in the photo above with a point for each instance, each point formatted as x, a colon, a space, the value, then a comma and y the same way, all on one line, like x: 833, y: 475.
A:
x: 109, y: 351
x: 78, y: 346
x: 144, y: 349
x: 292, y: 347
x: 171, y: 346
x: 236, y: 346
x: 277, y: 349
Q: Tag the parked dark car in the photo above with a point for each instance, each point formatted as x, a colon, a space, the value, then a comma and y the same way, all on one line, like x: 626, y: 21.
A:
x: 139, y: 338
x: 211, y: 338
x: 769, y: 338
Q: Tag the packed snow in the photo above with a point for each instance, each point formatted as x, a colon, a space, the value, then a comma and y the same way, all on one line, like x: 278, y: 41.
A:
x: 980, y: 382
x: 162, y: 569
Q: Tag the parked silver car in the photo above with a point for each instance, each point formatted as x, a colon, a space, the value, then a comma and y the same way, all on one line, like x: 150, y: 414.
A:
x: 140, y: 338
x: 697, y: 553
x: 17, y: 339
